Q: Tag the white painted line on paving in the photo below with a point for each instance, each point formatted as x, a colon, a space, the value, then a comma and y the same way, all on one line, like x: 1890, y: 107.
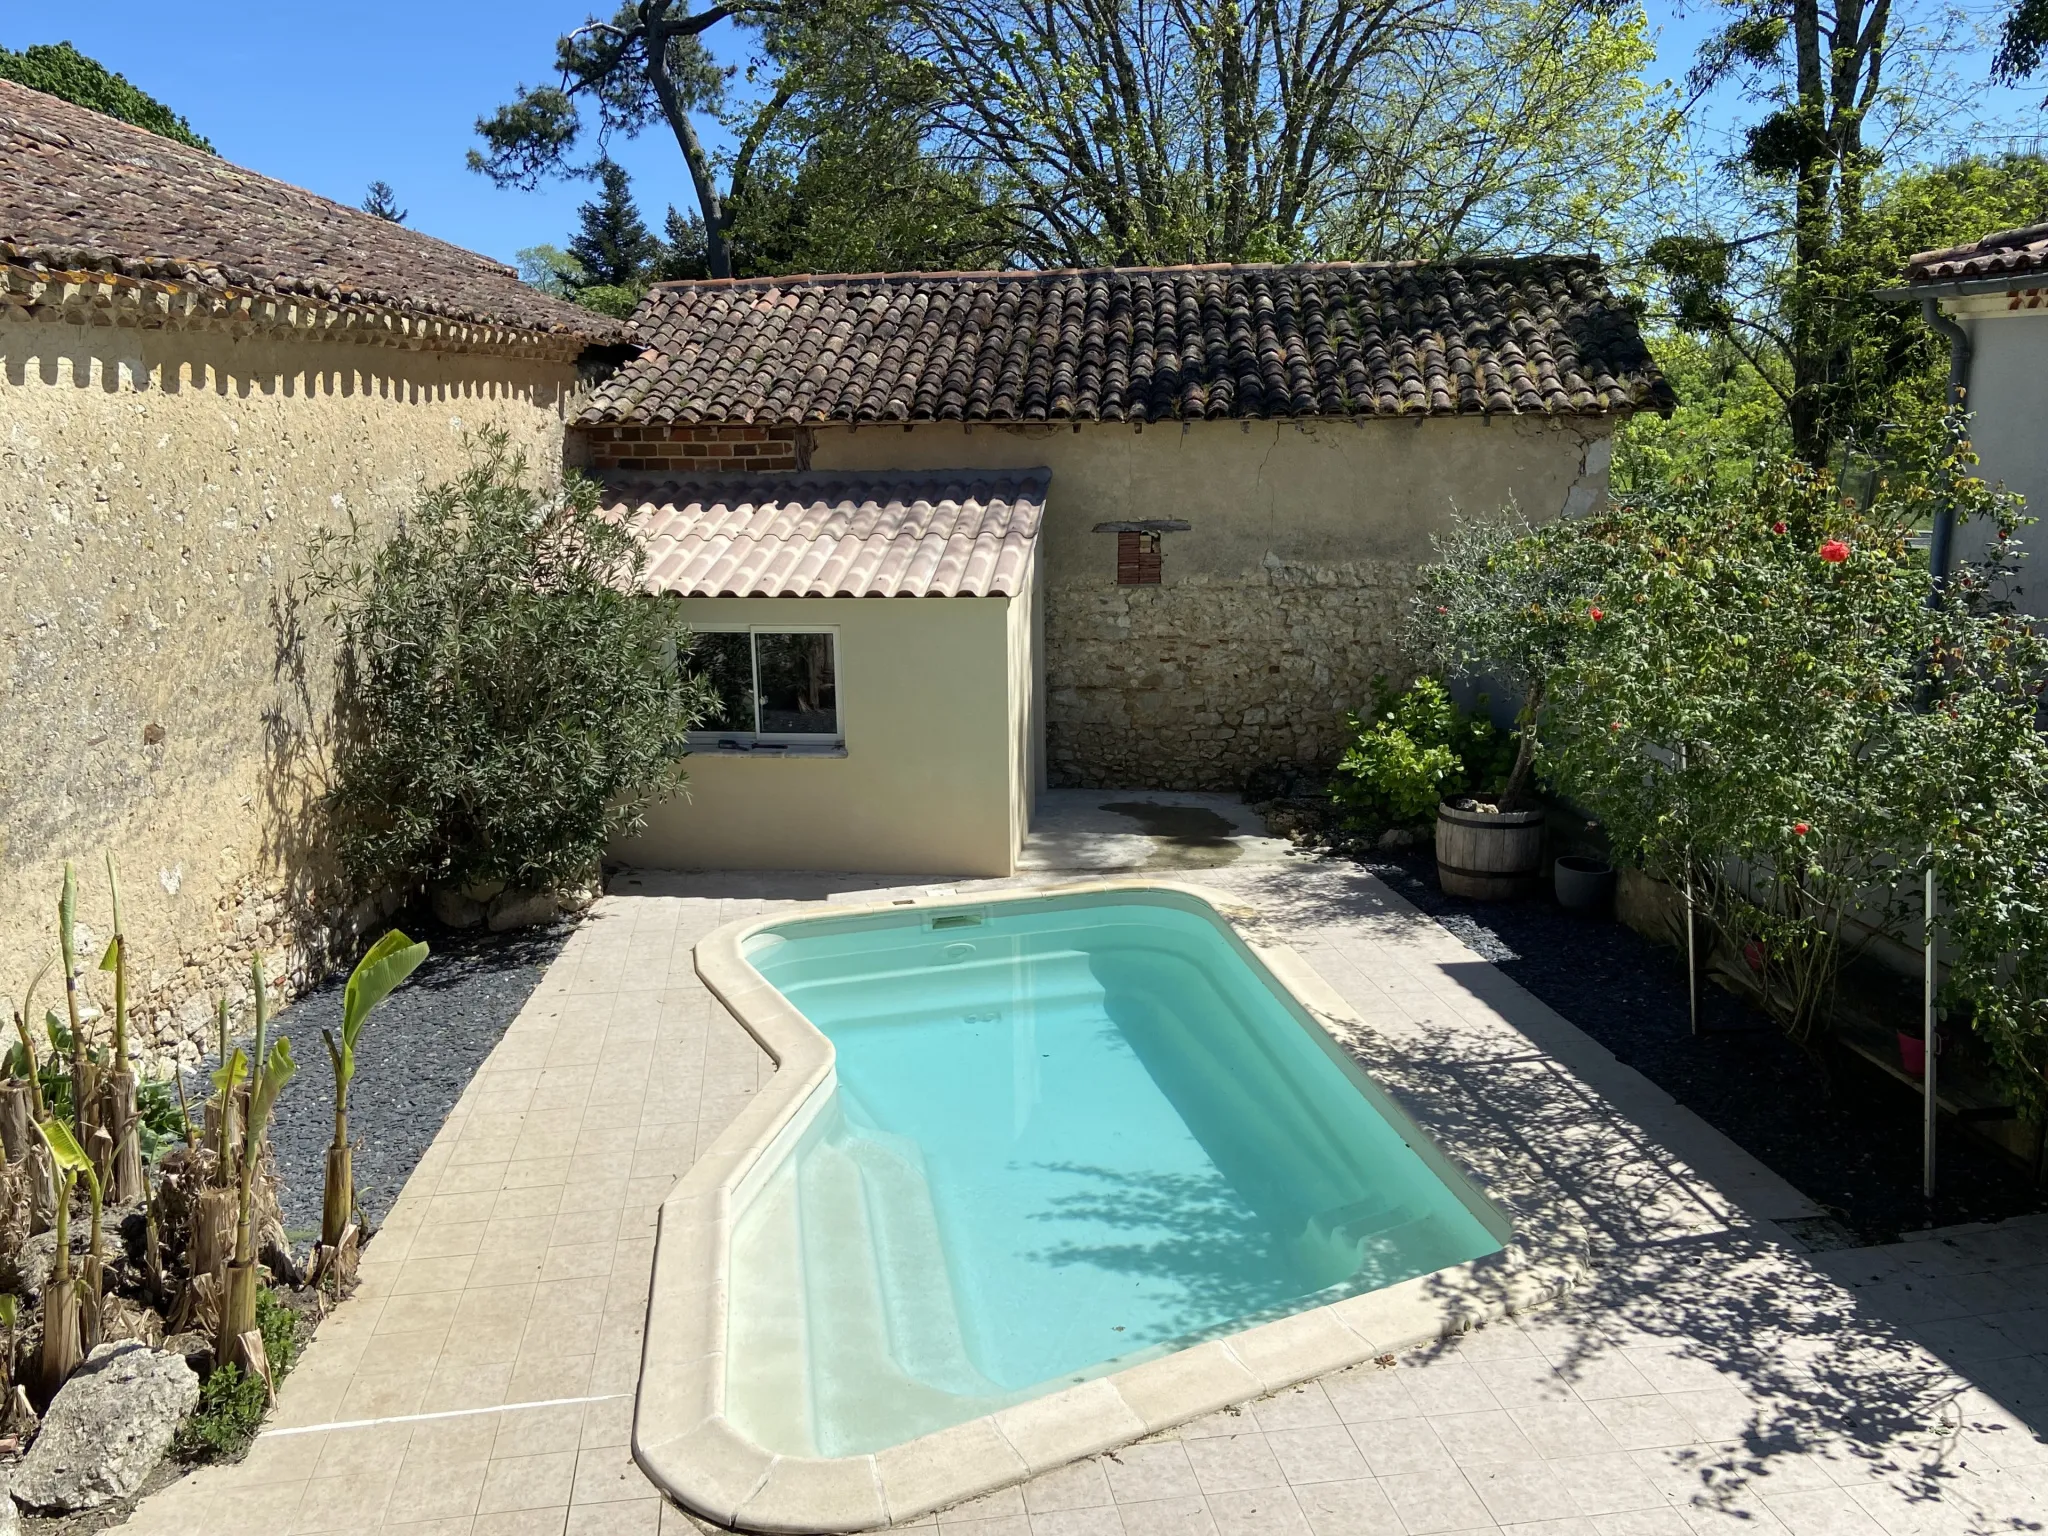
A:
x: 447, y: 1413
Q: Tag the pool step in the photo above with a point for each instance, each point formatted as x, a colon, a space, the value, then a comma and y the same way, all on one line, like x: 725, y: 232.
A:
x: 855, y: 1376
x: 917, y: 1286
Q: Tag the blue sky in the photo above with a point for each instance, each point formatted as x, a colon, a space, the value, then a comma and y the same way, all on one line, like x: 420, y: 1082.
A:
x: 331, y: 98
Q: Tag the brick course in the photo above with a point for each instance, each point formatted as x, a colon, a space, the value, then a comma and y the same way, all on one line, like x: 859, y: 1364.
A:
x: 699, y: 449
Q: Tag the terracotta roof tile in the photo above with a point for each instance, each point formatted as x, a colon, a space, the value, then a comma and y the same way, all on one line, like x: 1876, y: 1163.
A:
x: 942, y: 533
x: 2010, y: 253
x: 1535, y: 336
x: 80, y: 191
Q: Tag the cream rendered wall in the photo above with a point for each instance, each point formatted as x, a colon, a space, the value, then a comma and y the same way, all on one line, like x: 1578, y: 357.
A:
x: 162, y: 695
x: 2009, y: 396
x: 1279, y: 604
x: 929, y: 783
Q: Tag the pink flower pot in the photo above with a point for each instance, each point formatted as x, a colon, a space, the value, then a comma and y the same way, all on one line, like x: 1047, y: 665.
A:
x: 1913, y: 1052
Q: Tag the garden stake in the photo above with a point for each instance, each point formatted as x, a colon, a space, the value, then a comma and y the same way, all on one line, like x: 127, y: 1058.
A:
x: 61, y: 1346
x: 1929, y: 1108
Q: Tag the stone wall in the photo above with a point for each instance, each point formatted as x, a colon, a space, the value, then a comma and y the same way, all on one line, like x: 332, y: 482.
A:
x: 164, y: 690
x: 1192, y: 685
x: 1282, y: 599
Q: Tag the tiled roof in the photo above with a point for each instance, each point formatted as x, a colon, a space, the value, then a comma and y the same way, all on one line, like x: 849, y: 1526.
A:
x: 2011, y: 253
x: 81, y: 192
x: 941, y: 533
x: 1138, y: 344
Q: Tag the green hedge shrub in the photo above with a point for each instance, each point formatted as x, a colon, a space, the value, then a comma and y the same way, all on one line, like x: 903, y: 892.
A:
x: 1417, y: 748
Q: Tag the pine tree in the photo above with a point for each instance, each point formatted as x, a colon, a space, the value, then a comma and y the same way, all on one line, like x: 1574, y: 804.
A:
x: 612, y: 245
x: 383, y: 202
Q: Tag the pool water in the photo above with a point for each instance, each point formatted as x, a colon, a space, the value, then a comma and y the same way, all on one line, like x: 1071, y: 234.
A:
x: 1066, y: 1134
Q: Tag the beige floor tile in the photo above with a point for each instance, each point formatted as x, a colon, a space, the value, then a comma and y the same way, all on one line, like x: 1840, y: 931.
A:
x: 540, y: 1481
x: 607, y: 1474
x: 522, y: 1522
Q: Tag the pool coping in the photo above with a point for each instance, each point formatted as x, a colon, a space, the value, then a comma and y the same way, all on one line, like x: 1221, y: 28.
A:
x: 686, y: 1446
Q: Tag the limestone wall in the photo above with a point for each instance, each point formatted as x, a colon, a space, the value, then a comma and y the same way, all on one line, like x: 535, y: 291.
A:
x: 1280, y: 602
x: 161, y: 693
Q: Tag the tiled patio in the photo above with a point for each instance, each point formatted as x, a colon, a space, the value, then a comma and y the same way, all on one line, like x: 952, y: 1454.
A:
x: 1711, y: 1377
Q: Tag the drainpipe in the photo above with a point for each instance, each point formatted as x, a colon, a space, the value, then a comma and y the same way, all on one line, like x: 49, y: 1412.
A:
x: 1942, y: 547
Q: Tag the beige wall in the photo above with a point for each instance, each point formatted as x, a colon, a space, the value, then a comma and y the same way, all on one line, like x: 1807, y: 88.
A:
x: 1279, y: 604
x: 2009, y: 397
x: 930, y: 780
x: 158, y: 490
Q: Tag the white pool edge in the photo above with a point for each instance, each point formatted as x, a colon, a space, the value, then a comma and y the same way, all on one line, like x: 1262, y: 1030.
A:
x: 685, y: 1444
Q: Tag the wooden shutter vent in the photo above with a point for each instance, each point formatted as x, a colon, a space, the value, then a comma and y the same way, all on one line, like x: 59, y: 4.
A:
x: 1137, y: 559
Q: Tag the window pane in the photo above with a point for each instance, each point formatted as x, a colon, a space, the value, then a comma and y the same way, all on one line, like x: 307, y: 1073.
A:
x: 799, y: 695
x: 726, y: 662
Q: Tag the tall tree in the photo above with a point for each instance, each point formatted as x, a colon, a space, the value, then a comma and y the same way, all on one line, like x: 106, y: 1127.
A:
x: 611, y: 245
x: 1229, y: 130
x: 2022, y: 42
x: 383, y: 202
x: 58, y: 69
x: 647, y: 64
x: 1821, y: 67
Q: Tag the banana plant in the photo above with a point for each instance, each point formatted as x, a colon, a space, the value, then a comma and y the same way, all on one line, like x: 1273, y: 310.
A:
x: 22, y: 1015
x: 269, y: 1070
x: 118, y: 1113
x: 62, y: 1305
x: 377, y: 975
x: 67, y: 946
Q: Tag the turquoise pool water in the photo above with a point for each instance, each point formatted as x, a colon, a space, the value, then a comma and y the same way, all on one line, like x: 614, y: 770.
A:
x: 1066, y: 1133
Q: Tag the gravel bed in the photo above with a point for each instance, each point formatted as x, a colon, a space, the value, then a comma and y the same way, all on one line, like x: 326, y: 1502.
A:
x: 1848, y: 1139
x: 417, y: 1053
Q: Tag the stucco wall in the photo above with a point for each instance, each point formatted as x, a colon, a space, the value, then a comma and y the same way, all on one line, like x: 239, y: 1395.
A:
x: 2009, y: 396
x: 162, y: 696
x: 1279, y: 604
x: 928, y: 783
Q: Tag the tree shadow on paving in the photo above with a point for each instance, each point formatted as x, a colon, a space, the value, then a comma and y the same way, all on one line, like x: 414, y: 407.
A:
x: 1848, y: 1139
x: 417, y: 1053
x: 1683, y: 1285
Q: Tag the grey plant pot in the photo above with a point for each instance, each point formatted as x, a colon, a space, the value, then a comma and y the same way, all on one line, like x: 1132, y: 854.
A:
x: 1583, y: 884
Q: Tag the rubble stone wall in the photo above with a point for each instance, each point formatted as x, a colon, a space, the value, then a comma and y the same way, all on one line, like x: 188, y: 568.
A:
x: 1281, y: 599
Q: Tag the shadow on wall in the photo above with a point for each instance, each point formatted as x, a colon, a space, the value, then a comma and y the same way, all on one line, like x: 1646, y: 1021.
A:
x: 115, y: 360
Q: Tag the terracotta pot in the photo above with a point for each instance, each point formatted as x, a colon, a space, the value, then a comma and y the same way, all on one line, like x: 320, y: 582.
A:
x: 1583, y: 884
x: 1487, y: 856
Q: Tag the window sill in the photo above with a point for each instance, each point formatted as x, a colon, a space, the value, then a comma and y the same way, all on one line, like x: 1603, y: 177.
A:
x: 736, y: 748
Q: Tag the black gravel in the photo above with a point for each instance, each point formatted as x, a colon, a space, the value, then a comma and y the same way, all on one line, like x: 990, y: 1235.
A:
x: 1847, y: 1137
x: 417, y: 1053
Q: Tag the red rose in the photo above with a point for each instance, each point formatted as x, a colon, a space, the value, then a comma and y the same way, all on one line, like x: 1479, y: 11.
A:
x: 1834, y: 551
x: 1778, y: 527
x: 1595, y: 615
x: 1800, y: 829
x: 1614, y: 725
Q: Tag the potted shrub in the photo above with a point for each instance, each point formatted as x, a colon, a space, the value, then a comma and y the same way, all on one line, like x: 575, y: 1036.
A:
x: 1507, y: 601
x: 1416, y: 747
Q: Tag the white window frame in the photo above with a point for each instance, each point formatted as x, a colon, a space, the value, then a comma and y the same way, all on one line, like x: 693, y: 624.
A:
x: 746, y: 740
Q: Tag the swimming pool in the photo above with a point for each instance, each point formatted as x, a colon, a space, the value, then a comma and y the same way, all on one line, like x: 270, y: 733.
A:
x: 1066, y: 1134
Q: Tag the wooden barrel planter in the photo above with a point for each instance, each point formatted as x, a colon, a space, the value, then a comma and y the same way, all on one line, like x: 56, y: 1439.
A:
x: 1487, y: 855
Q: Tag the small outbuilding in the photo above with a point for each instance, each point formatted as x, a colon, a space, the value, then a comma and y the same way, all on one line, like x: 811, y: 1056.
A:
x: 873, y: 642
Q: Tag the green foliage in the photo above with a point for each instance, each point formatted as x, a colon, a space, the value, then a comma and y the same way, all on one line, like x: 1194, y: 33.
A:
x: 510, y: 703
x: 1771, y: 708
x: 58, y: 69
x: 1762, y: 342
x: 1418, y: 748
x: 2022, y: 42
x: 381, y: 971
x: 163, y: 1121
x: 611, y: 244
x: 1507, y: 601
x: 382, y: 202
x: 232, y: 1405
x: 231, y: 1409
